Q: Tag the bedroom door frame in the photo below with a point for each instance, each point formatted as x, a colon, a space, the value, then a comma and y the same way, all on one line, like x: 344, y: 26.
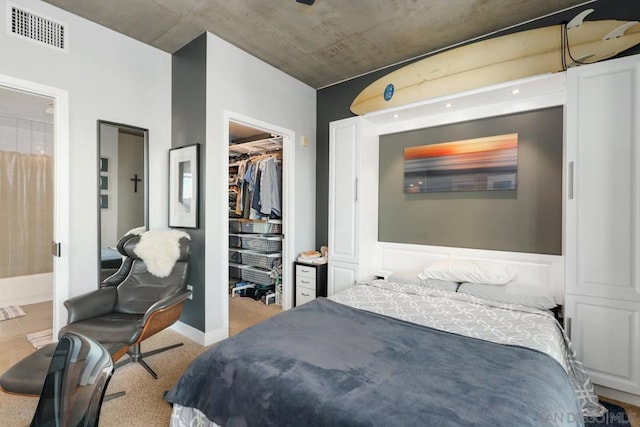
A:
x: 288, y: 217
x: 61, y: 229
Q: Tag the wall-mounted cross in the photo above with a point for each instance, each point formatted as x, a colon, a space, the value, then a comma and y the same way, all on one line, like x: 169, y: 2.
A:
x: 135, y: 180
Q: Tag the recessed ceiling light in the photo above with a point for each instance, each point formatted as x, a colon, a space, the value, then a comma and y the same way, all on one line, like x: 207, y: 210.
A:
x: 449, y: 105
x: 515, y: 91
x: 395, y: 116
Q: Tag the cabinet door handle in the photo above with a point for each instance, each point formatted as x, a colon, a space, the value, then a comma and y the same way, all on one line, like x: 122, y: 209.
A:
x: 570, y: 190
x: 356, y: 189
x: 55, y: 249
x: 305, y: 295
x: 304, y: 281
x: 567, y: 326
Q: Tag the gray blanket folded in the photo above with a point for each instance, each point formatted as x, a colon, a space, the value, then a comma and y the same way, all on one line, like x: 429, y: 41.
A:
x: 326, y: 364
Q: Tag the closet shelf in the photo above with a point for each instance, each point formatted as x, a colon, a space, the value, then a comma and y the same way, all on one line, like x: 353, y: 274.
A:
x: 256, y: 147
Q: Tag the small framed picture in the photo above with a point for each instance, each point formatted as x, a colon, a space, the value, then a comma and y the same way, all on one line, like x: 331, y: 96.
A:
x: 104, y: 164
x: 104, y: 183
x: 104, y: 201
x: 183, y: 186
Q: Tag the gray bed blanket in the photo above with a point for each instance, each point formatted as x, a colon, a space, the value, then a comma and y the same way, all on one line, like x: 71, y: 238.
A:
x: 327, y: 364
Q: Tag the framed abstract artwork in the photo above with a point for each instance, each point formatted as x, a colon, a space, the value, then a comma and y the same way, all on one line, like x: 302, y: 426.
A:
x: 183, y: 186
x: 479, y: 164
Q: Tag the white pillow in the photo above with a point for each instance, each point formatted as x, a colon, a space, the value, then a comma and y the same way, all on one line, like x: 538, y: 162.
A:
x: 417, y: 278
x: 466, y: 270
x: 513, y: 293
x: 405, y: 277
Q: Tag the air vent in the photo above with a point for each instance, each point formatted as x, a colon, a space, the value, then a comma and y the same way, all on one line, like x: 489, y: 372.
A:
x: 36, y: 28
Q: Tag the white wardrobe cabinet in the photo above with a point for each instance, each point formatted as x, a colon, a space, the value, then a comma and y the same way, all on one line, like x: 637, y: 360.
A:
x: 341, y: 275
x: 602, y: 308
x: 353, y: 202
x: 606, y: 334
x: 344, y: 187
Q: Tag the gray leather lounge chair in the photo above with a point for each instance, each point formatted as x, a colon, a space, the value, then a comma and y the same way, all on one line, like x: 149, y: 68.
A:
x: 119, y: 317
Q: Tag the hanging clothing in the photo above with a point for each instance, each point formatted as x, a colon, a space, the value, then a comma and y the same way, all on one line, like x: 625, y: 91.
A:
x: 270, y: 201
x: 255, y: 198
x: 242, y: 166
x: 259, y: 188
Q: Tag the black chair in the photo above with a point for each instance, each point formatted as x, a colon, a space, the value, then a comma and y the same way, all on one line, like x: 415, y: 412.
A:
x: 75, y: 384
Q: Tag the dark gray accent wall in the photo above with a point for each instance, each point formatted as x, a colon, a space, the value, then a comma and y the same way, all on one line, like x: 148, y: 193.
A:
x: 528, y: 219
x: 333, y: 102
x: 188, y: 126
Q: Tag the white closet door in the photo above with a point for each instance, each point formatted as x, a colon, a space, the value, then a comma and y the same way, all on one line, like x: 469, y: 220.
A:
x: 343, y: 191
x: 606, y: 335
x: 340, y: 276
x: 603, y: 221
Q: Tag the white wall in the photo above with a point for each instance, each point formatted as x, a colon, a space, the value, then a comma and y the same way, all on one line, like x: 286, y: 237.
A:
x: 242, y: 84
x: 107, y: 76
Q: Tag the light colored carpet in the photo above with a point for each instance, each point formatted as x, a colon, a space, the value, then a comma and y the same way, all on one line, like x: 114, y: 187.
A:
x: 41, y: 338
x: 11, y: 312
x: 244, y: 312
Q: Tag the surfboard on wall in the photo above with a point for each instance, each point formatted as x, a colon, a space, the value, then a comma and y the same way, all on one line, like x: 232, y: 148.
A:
x: 500, y: 59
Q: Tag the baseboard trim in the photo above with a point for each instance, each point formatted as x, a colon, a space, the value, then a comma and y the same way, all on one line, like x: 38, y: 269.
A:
x: 216, y: 335
x: 189, y: 331
x: 622, y: 396
x: 199, y: 337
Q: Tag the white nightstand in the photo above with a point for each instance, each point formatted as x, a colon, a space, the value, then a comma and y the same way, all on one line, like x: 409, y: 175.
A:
x: 311, y: 282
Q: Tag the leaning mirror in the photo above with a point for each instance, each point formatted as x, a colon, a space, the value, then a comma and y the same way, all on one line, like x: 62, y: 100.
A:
x: 122, y: 188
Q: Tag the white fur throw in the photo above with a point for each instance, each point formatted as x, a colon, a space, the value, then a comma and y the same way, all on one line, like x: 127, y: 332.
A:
x: 137, y: 231
x: 160, y: 249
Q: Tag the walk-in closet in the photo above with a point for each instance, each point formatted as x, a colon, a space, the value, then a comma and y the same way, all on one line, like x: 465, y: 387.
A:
x: 255, y: 224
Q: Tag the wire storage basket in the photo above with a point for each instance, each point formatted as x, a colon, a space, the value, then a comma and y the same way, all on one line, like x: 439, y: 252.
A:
x: 235, y: 225
x: 256, y: 275
x: 261, y: 243
x: 235, y: 255
x: 261, y: 226
x: 259, y: 259
x: 235, y: 241
x: 235, y: 270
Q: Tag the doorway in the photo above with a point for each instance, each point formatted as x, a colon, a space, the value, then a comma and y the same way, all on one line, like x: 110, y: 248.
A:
x: 61, y: 229
x: 26, y: 177
x: 257, y: 246
x: 32, y: 126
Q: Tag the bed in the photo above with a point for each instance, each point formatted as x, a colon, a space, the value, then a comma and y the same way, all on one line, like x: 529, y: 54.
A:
x: 387, y: 352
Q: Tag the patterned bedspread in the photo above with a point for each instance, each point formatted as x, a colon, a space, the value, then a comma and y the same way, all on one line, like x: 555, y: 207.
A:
x: 464, y: 314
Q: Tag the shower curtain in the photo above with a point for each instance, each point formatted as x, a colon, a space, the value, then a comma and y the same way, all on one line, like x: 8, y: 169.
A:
x: 26, y: 214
